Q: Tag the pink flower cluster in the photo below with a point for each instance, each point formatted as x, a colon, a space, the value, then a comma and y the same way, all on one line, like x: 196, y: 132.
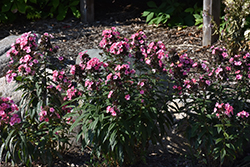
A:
x: 22, y: 51
x: 118, y: 48
x: 112, y: 110
x: 154, y: 55
x: 138, y: 39
x: 223, y: 109
x: 110, y: 36
x: 7, y: 112
x: 48, y: 113
x: 243, y: 114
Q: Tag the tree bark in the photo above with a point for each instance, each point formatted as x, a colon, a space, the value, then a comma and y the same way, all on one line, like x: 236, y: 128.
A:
x: 207, y: 29
x: 87, y: 10
x: 211, y: 9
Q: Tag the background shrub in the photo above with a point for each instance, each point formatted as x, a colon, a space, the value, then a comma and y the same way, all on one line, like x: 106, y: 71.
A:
x: 36, y: 9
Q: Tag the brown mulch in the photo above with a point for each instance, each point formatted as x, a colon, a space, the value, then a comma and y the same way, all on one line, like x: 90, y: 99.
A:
x: 73, y: 36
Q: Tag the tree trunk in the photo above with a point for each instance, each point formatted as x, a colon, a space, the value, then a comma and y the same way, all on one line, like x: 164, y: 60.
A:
x: 87, y: 10
x: 211, y: 9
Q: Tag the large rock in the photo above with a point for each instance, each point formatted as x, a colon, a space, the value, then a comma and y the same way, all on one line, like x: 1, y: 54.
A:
x: 5, y: 45
x: 8, y: 90
x: 92, y: 53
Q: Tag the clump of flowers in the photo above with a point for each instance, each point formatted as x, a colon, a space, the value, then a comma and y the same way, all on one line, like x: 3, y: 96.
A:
x: 223, y: 110
x: 43, y: 81
x: 8, y: 112
x: 117, y: 94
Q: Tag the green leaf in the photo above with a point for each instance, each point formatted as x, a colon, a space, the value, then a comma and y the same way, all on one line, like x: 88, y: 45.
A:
x: 33, y: 1
x: 75, y: 12
x: 159, y: 20
x: 6, y: 7
x: 150, y: 16
x: 74, y: 3
x: 153, y: 21
x: 93, y: 124
x: 163, y: 5
x: 1, y: 151
x: 21, y: 6
x: 76, y: 122
x: 197, y: 16
x: 189, y: 10
x: 218, y: 140
x: 145, y: 13
x: 55, y: 3
x: 40, y: 126
x: 222, y: 155
x: 62, y: 11
x: 152, y: 4
x: 231, y: 146
x: 170, y: 10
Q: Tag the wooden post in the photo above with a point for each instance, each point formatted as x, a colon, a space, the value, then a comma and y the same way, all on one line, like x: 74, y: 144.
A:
x: 87, y: 10
x: 211, y: 8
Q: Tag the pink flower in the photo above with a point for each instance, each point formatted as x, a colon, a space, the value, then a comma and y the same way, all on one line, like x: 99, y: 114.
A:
x: 243, y: 114
x: 50, y: 86
x: 51, y: 109
x: 71, y: 92
x: 228, y: 68
x: 27, y: 58
x: 239, y: 77
x: 110, y: 94
x: 73, y: 69
x: 109, y: 76
x: 58, y: 87
x: 43, y: 113
x: 237, y: 63
x: 55, y: 74
x: 208, y: 82
x: 237, y: 72
x: 224, y: 54
x: 28, y: 70
x: 148, y: 61
x: 229, y: 109
x: 111, y: 110
x: 127, y: 97
x: 3, y: 114
x: 218, y: 70
x: 60, y: 58
x: 142, y: 92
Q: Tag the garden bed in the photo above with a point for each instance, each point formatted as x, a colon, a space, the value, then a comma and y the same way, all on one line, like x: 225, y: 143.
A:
x: 72, y: 37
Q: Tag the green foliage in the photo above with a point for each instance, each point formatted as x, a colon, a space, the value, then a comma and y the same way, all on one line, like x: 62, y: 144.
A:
x: 34, y: 139
x: 117, y: 119
x: 34, y: 9
x: 170, y: 12
x: 236, y: 13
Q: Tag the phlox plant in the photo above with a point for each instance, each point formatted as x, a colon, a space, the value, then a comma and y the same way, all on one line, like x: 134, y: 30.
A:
x: 42, y: 132
x: 121, y: 107
x: 216, y: 97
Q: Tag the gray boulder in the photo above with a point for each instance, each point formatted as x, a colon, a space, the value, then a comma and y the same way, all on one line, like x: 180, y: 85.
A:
x: 8, y: 90
x: 5, y: 45
x: 92, y: 53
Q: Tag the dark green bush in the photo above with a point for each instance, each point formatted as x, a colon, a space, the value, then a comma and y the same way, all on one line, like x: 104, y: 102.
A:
x: 172, y: 12
x: 34, y: 9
